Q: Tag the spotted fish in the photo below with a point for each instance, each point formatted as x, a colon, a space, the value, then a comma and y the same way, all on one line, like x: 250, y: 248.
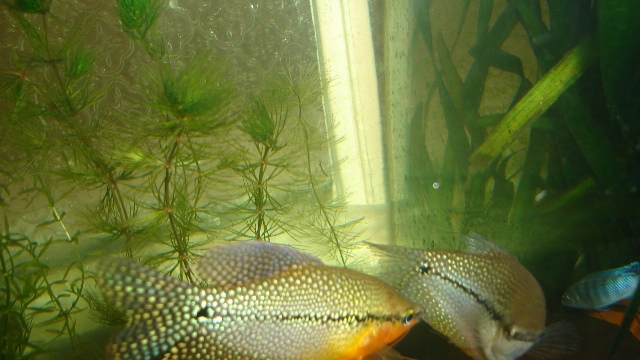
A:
x: 482, y: 299
x: 260, y: 301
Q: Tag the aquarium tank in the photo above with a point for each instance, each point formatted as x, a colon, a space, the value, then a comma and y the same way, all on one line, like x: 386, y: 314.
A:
x: 152, y: 129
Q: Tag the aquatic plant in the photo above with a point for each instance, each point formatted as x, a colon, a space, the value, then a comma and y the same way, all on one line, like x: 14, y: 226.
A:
x: 32, y: 297
x: 551, y: 171
x: 283, y: 186
x: 188, y: 160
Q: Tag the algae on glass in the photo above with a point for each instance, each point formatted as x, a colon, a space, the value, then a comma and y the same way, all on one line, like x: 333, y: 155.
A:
x: 182, y: 155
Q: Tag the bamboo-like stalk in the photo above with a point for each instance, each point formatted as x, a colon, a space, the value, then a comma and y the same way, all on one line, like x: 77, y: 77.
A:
x: 544, y: 93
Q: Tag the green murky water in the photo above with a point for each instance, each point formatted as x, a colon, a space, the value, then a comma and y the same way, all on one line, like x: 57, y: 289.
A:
x: 152, y: 134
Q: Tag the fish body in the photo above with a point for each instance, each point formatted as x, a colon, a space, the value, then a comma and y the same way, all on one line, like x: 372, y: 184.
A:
x: 601, y: 289
x: 261, y: 301
x: 482, y: 299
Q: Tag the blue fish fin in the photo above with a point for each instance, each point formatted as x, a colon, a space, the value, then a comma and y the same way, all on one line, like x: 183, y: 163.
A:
x: 558, y: 341
x: 152, y: 302
x: 478, y: 244
x: 633, y: 268
x: 233, y: 264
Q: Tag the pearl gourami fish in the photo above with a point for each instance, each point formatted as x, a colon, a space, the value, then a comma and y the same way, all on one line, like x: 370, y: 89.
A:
x: 599, y: 290
x: 260, y: 301
x: 482, y: 299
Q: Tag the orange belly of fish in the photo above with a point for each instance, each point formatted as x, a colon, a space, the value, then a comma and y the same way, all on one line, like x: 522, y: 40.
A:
x: 373, y: 339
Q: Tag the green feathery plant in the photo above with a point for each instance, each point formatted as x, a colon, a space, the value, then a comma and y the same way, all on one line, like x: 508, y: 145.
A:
x: 324, y: 220
x: 46, y: 123
x: 193, y: 161
x: 286, y: 193
x: 138, y: 20
x: 32, y: 297
x: 195, y: 106
x: 263, y: 163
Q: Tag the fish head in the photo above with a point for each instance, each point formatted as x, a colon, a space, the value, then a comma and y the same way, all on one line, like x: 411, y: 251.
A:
x: 390, y: 332
x: 520, y: 310
x: 572, y: 299
x: 391, y: 316
x: 383, y: 335
x: 482, y: 299
x: 380, y: 335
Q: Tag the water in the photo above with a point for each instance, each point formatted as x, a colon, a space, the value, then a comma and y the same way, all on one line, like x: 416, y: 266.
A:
x: 559, y: 190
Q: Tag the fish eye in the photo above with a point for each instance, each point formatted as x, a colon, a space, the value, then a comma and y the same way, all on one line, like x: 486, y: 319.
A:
x: 424, y: 268
x: 408, y: 318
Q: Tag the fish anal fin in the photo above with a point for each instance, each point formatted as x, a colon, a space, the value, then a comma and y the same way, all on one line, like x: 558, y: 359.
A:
x: 229, y: 265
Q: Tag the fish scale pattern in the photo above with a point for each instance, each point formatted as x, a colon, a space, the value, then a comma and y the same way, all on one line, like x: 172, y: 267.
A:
x: 481, y: 298
x: 603, y: 288
x: 151, y: 301
x: 293, y: 307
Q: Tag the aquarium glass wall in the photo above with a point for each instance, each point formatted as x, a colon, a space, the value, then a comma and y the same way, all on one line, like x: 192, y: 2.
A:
x: 154, y: 129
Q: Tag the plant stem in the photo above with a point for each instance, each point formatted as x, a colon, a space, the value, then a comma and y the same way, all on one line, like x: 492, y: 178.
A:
x: 333, y: 232
x: 52, y: 62
x: 179, y: 241
x: 65, y: 312
x: 261, y: 194
x: 87, y: 144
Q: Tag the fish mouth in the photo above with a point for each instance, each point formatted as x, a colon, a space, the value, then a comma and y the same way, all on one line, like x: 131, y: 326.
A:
x: 512, y: 333
x: 419, y: 314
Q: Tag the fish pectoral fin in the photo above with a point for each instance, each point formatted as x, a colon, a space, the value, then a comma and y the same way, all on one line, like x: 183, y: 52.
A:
x: 237, y: 263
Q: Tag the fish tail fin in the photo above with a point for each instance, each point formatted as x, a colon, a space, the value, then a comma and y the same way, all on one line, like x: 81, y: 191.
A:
x: 154, y: 303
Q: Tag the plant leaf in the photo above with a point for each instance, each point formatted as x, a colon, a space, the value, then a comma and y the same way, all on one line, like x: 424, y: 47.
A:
x: 536, y: 102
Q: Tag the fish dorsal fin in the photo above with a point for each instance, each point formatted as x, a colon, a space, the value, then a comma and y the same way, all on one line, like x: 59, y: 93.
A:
x: 395, y: 263
x: 477, y: 244
x: 633, y: 268
x: 234, y: 264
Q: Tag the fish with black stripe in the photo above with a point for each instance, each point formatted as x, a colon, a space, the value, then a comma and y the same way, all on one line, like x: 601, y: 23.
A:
x: 481, y: 298
x: 261, y: 301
